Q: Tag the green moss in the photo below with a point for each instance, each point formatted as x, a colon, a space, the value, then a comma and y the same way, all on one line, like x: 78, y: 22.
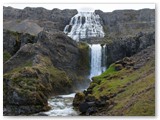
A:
x: 79, y: 98
x: 6, y: 56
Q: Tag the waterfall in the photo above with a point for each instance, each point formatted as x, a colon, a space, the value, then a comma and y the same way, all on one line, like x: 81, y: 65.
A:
x: 84, y: 25
x: 97, y: 60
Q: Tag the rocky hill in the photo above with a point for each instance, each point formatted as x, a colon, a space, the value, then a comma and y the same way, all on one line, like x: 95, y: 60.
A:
x: 33, y: 20
x: 127, y: 22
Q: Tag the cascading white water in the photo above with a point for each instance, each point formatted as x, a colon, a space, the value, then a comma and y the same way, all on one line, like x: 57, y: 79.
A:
x: 84, y: 25
x: 61, y: 105
x: 97, y: 60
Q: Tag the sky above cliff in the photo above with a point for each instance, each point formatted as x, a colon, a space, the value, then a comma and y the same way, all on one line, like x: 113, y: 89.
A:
x: 86, y: 7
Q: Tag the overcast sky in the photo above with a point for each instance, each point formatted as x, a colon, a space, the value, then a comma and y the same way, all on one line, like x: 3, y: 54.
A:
x: 86, y: 7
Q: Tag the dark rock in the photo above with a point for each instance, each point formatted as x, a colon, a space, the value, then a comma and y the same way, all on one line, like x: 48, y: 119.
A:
x: 104, y: 98
x: 118, y: 67
x: 100, y: 103
x: 90, y: 98
x: 87, y: 107
x: 12, y: 41
x: 83, y: 107
x: 78, y: 99
x: 128, y: 47
x: 91, y: 110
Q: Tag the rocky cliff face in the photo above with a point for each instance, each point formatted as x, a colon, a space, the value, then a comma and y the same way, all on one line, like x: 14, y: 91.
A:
x: 128, y: 46
x: 36, y: 18
x: 12, y: 41
x: 127, y: 22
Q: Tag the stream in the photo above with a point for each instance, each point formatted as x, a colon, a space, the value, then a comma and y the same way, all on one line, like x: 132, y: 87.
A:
x: 61, y: 105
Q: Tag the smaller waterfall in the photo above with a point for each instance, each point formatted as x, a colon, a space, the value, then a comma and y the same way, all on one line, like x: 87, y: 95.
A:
x: 97, y: 60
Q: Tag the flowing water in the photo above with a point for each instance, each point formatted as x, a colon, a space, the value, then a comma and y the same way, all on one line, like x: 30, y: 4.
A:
x: 61, y: 105
x: 97, y: 60
x: 84, y: 25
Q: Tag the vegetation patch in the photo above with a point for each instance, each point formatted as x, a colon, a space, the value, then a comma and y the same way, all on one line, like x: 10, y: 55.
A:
x: 6, y: 56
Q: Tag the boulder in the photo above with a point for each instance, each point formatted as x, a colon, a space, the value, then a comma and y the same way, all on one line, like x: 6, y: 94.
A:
x: 78, y: 99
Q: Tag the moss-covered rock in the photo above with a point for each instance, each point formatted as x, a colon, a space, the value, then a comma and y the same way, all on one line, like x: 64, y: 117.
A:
x: 79, y: 98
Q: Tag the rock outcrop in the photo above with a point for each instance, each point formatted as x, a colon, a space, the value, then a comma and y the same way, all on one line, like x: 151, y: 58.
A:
x: 12, y: 41
x: 128, y: 46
